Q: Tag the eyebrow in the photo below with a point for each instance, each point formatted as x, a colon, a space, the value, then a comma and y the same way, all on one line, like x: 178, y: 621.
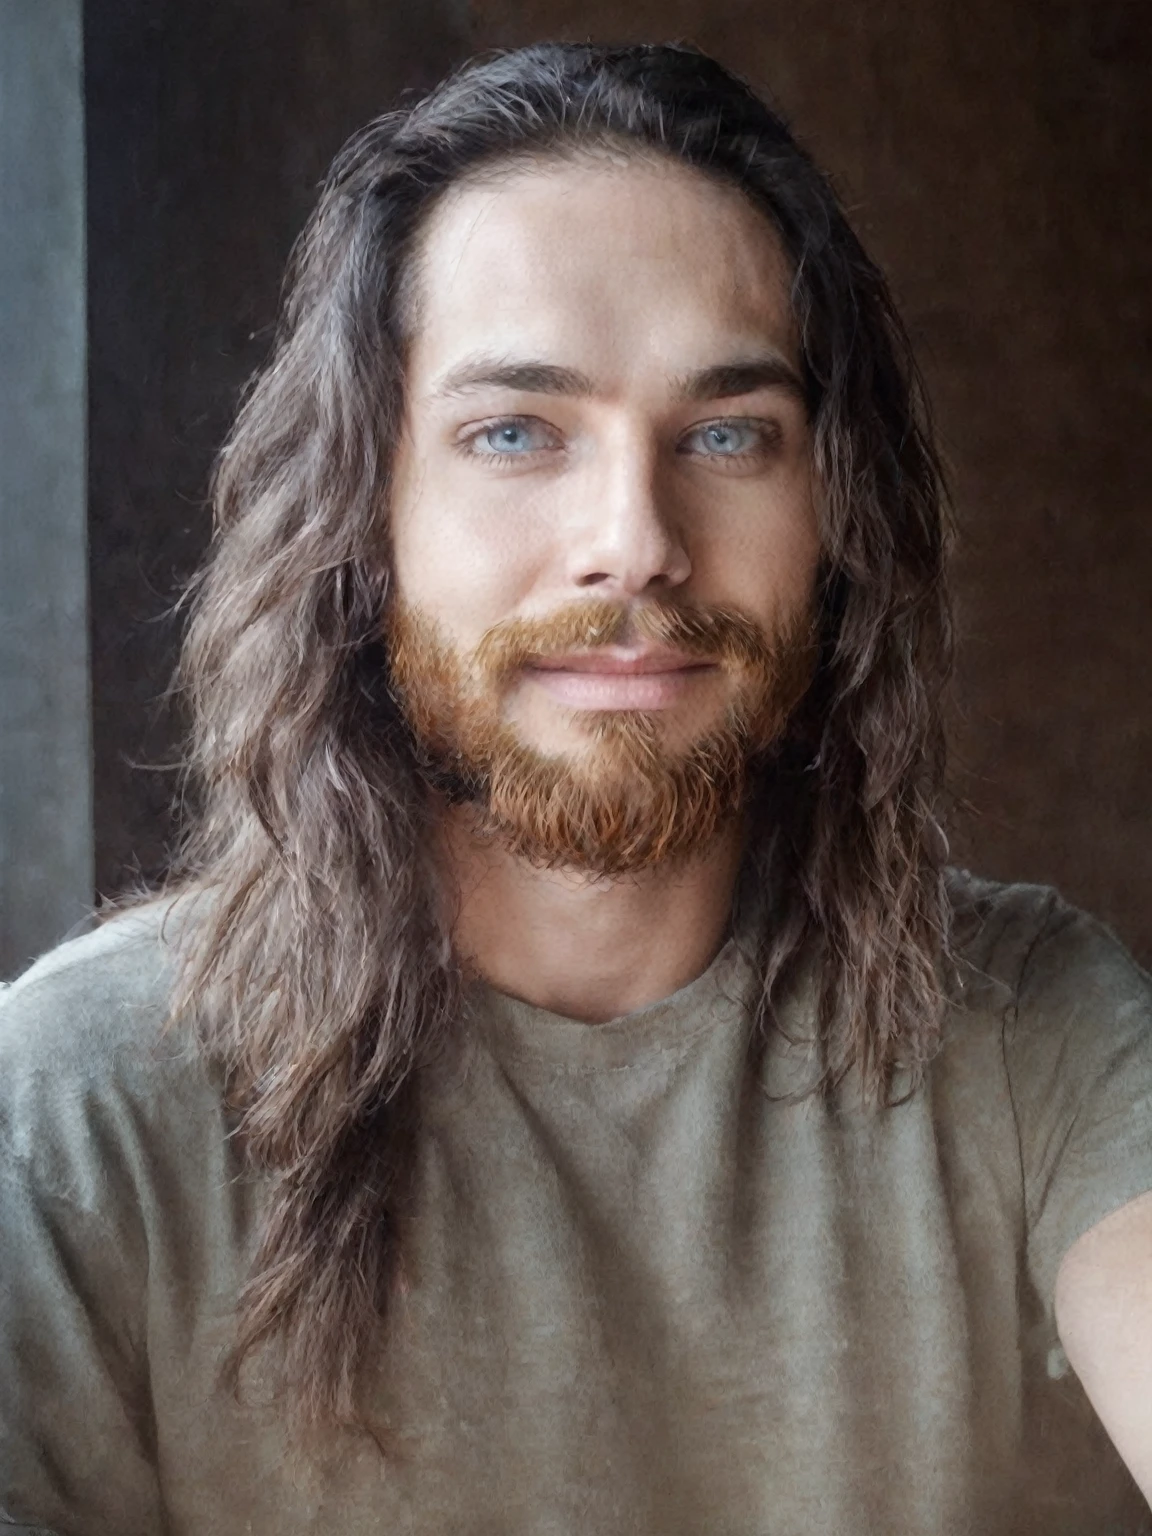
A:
x: 723, y: 381
x: 507, y: 373
x: 728, y: 380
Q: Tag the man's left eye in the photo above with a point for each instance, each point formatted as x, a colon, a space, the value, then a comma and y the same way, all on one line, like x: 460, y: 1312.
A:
x: 725, y: 439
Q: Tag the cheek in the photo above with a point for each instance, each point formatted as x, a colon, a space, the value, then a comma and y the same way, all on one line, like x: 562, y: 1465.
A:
x: 765, y: 558
x: 465, y: 555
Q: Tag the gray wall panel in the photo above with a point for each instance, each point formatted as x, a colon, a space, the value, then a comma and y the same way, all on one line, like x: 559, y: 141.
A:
x: 45, y: 798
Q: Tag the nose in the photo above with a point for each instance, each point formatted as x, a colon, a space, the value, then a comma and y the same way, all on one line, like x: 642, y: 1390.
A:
x: 628, y: 543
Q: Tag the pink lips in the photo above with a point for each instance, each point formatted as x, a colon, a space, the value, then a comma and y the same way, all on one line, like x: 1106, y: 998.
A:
x: 618, y: 677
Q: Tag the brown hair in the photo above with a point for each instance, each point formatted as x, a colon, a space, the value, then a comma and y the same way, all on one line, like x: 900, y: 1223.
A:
x: 318, y: 971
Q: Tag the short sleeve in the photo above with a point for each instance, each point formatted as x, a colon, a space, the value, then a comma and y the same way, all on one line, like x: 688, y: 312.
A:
x: 76, y: 1430
x: 74, y: 1420
x: 1079, y: 1060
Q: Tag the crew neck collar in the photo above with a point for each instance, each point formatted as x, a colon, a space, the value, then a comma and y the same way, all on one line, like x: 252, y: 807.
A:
x: 721, y: 993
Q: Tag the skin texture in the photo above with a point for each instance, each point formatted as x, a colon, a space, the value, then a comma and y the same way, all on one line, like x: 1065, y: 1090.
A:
x: 634, y: 472
x: 1104, y: 1317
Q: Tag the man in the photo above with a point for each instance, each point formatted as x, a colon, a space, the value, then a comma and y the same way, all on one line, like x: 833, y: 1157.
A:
x: 561, y: 1090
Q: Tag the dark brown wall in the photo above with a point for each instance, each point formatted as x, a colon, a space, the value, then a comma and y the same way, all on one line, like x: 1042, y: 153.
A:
x: 994, y: 156
x: 209, y: 127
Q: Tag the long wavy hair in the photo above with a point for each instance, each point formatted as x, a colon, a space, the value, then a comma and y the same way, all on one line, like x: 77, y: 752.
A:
x: 318, y: 971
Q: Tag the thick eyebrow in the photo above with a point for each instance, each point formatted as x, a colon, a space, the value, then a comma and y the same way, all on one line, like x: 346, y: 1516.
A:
x: 508, y: 373
x: 727, y: 381
x: 723, y: 381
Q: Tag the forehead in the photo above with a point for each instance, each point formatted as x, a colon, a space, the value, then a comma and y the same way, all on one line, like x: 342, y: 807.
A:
x: 619, y: 268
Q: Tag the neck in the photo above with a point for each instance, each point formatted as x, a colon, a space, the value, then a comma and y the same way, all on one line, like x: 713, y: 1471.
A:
x: 586, y: 947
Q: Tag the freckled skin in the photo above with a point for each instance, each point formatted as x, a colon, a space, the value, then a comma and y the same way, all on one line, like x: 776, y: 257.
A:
x: 513, y: 502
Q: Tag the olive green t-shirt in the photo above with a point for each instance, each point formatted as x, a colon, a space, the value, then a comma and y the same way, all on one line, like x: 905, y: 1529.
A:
x: 648, y: 1290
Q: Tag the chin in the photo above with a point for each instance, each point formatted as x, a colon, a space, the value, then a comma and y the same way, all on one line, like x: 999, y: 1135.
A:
x: 582, y: 735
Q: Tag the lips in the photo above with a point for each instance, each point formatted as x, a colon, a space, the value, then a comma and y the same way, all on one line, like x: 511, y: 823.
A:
x: 618, y: 677
x: 618, y: 661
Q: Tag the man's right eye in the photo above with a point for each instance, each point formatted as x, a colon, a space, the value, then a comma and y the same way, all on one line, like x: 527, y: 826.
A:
x: 511, y: 437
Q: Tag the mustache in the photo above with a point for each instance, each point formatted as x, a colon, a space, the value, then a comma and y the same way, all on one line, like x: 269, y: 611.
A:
x: 720, y: 634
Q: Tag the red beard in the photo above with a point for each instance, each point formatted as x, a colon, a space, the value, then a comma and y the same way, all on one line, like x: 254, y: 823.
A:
x: 626, y: 802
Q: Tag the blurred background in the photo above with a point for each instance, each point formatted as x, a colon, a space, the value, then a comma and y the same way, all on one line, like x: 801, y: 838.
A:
x: 157, y: 159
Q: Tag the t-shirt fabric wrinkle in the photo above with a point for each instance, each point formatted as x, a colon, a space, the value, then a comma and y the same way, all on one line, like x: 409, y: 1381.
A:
x: 649, y: 1289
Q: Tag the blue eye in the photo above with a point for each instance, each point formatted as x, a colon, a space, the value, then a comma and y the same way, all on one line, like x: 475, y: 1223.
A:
x: 725, y: 439
x: 510, y: 438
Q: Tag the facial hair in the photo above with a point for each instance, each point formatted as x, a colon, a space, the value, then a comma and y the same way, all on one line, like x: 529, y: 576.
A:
x: 625, y: 801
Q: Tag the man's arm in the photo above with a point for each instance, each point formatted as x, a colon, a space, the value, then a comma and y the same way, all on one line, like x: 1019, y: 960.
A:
x: 77, y: 1437
x: 1104, y: 1318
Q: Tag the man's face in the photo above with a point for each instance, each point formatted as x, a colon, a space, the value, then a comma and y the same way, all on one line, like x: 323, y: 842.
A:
x: 602, y: 519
